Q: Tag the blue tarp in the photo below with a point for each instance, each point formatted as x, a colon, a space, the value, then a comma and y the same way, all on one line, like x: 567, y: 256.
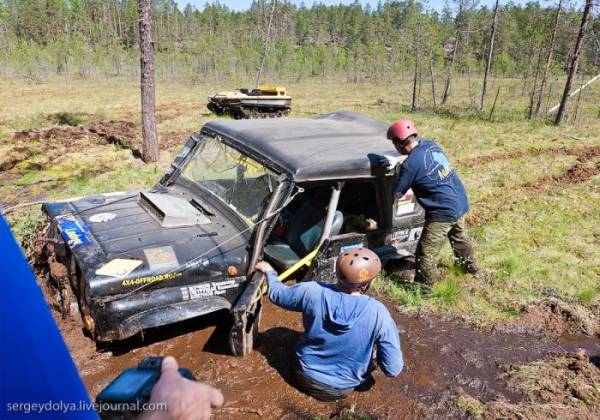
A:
x: 38, y: 378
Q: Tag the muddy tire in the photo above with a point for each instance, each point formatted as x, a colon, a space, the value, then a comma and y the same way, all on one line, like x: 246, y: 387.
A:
x: 244, y: 331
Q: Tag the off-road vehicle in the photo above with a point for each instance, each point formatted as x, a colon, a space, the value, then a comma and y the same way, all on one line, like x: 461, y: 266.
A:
x: 295, y: 192
x: 263, y: 102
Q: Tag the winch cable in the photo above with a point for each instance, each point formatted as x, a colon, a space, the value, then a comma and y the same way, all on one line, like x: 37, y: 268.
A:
x: 182, y: 267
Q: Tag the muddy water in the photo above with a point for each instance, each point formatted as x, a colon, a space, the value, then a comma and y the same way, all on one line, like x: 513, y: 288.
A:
x: 443, y: 358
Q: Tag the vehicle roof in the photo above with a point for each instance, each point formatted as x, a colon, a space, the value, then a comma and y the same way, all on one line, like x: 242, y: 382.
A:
x: 329, y: 146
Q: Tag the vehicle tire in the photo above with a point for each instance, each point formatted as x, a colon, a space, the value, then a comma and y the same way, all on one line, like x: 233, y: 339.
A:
x: 244, y: 331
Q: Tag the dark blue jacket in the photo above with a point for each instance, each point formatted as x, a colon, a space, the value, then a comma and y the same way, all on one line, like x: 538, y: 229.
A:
x: 435, y: 183
x: 340, y: 332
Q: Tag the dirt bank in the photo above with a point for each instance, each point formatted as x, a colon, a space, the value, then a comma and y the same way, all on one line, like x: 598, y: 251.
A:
x: 445, y: 361
x: 69, y: 139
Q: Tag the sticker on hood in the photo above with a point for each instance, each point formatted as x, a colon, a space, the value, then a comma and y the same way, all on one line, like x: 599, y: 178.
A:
x: 102, y: 217
x: 161, y: 258
x: 118, y: 267
x: 73, y: 231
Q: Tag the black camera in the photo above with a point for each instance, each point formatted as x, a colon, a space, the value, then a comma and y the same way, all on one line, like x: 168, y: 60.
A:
x: 128, y: 394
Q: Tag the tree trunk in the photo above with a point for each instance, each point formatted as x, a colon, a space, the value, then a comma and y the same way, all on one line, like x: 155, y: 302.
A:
x: 413, y: 106
x: 488, y: 61
x: 448, y: 84
x: 574, y: 119
x: 585, y: 85
x: 432, y: 82
x: 535, y: 81
x: 548, y: 60
x: 150, y: 137
x: 494, y: 104
x: 562, y: 110
x: 267, y: 37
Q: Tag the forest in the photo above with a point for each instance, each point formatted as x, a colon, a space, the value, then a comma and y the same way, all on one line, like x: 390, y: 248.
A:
x: 99, y: 38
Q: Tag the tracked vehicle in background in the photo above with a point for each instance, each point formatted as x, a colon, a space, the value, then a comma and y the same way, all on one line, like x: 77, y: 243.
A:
x: 263, y: 102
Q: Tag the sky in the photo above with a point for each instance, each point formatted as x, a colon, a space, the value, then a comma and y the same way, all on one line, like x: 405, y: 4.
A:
x: 436, y: 4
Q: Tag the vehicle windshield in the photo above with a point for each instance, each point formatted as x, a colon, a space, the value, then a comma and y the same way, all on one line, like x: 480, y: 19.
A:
x: 241, y: 182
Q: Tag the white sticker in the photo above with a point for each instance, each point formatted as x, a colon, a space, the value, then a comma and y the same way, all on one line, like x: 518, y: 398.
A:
x: 405, y: 208
x: 161, y: 258
x: 405, y: 204
x: 114, y: 194
x: 196, y: 263
x: 415, y: 234
x: 102, y: 217
x: 118, y: 267
x: 198, y: 291
x: 400, y: 235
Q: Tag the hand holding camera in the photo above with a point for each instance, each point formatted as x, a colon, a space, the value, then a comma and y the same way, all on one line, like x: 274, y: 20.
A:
x: 172, y: 393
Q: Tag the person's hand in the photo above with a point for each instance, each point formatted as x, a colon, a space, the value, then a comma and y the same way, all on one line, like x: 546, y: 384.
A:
x: 392, y: 161
x: 385, y: 161
x: 184, y: 399
x: 263, y: 266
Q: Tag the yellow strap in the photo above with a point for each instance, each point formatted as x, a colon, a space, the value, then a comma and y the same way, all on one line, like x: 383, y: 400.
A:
x: 304, y: 261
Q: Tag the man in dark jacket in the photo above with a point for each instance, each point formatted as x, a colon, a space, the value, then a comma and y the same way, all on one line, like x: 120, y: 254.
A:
x: 427, y: 170
x: 342, y: 327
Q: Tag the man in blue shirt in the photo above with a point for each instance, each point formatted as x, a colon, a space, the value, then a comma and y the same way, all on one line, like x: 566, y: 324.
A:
x: 439, y: 191
x: 342, y: 327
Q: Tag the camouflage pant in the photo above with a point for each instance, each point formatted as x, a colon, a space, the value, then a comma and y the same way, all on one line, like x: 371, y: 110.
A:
x: 431, y: 242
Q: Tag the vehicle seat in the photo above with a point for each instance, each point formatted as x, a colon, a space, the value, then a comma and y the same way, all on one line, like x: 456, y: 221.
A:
x: 299, y: 240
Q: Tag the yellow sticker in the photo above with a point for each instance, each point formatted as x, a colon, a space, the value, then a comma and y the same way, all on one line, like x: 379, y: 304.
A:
x: 364, y: 274
x: 151, y: 279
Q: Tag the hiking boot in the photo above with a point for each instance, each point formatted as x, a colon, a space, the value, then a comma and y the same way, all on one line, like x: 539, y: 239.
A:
x: 472, y: 267
x: 420, y: 278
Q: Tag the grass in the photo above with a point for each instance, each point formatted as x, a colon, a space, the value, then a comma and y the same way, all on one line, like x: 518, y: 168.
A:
x: 535, y: 242
x: 471, y: 406
x: 411, y: 295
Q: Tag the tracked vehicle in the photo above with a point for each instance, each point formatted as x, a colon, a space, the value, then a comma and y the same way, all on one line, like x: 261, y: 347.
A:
x: 264, y: 102
x: 289, y: 191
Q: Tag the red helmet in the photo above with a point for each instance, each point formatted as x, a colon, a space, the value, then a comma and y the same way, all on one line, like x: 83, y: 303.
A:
x: 401, y: 130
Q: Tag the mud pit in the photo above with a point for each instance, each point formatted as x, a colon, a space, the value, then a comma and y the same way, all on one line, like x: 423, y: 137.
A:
x: 444, y: 360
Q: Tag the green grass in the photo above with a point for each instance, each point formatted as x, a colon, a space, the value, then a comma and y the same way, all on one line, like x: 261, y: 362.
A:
x: 587, y: 296
x: 540, y: 242
x: 447, y: 292
x: 411, y: 295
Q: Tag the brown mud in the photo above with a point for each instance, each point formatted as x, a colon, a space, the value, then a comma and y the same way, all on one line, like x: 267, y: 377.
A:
x: 124, y: 134
x: 488, y: 208
x: 563, y: 386
x: 554, y: 317
x: 581, y: 152
x: 444, y: 360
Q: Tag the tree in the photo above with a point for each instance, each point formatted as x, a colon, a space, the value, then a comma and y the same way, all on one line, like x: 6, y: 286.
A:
x: 150, y: 136
x: 548, y: 60
x: 562, y: 109
x: 267, y: 39
x: 488, y: 61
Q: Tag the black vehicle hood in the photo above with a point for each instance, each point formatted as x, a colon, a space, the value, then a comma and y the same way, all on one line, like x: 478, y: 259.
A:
x: 101, y: 229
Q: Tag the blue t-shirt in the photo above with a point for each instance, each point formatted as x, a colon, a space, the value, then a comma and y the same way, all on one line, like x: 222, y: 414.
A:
x: 340, y: 331
x: 435, y: 183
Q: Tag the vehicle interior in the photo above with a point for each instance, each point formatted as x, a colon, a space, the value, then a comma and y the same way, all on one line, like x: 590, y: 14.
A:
x: 300, y: 224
